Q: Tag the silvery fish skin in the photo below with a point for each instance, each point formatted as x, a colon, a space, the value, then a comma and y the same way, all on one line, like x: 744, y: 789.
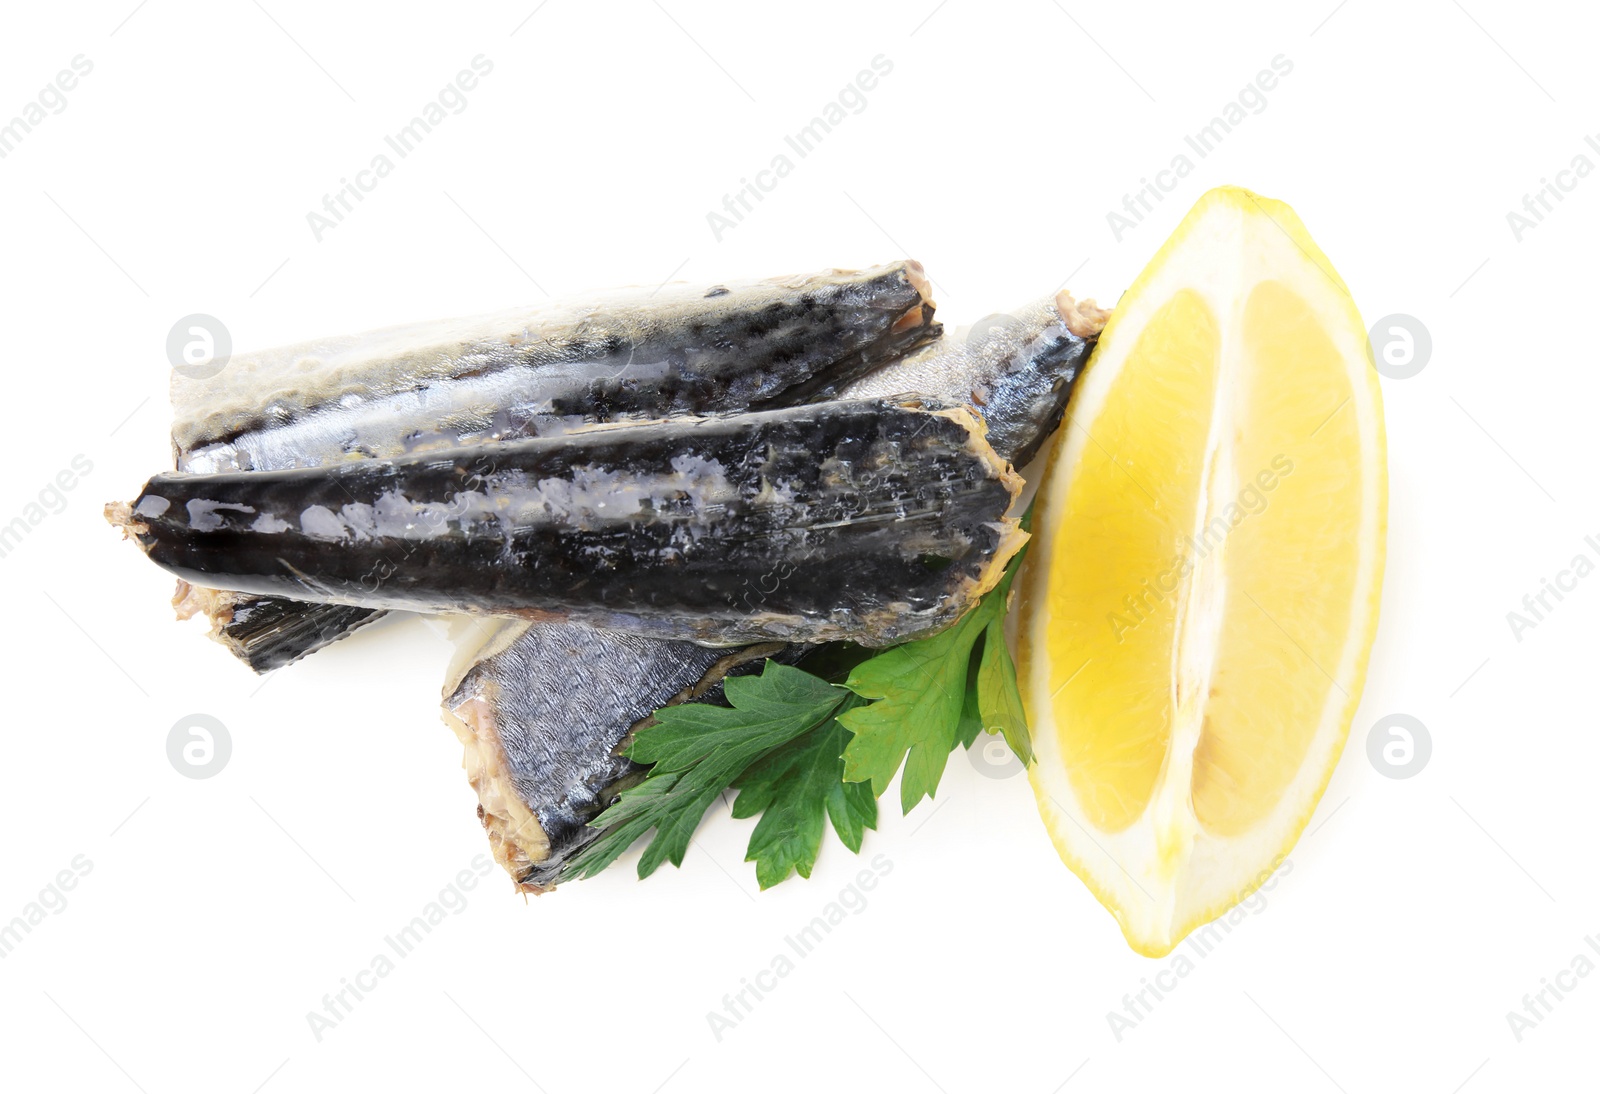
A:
x: 541, y: 708
x: 679, y: 349
x: 866, y: 521
x: 1017, y: 370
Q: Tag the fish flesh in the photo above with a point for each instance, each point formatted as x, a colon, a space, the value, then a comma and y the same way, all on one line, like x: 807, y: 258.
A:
x: 867, y: 520
x: 1017, y: 369
x: 542, y: 710
x: 679, y: 349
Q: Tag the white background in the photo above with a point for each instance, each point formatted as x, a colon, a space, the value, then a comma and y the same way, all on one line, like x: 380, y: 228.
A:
x: 218, y: 912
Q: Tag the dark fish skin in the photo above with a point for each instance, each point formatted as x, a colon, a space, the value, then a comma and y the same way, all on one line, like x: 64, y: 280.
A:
x: 864, y: 521
x: 269, y: 632
x: 541, y: 712
x: 1017, y: 370
x: 677, y: 349
x: 1024, y: 408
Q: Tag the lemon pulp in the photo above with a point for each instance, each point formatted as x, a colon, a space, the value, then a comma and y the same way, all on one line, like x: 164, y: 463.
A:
x: 1196, y: 617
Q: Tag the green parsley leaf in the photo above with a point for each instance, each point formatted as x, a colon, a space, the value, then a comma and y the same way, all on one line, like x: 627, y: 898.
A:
x: 799, y: 749
x: 971, y: 723
x: 791, y: 788
x: 930, y: 695
x: 999, y: 701
x: 919, y: 690
x: 697, y: 750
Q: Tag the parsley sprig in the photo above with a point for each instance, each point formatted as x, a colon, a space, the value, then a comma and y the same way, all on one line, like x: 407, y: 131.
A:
x: 800, y: 750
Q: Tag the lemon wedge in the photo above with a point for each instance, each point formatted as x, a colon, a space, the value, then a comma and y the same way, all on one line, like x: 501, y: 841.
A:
x: 1196, y: 614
